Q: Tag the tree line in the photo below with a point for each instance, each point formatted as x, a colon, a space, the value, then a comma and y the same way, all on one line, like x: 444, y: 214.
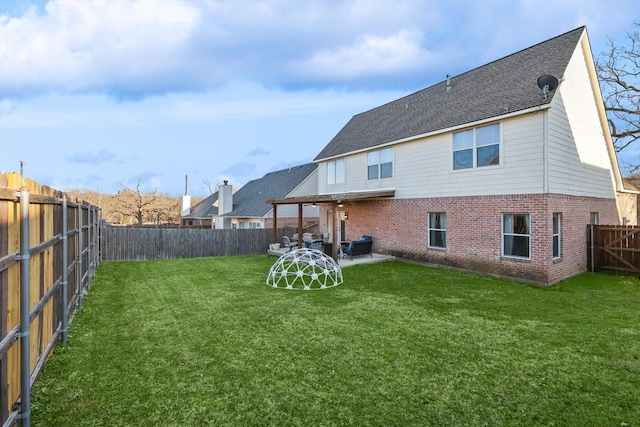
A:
x: 133, y: 206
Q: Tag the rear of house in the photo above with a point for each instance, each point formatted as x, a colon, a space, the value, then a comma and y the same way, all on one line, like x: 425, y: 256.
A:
x: 490, y: 171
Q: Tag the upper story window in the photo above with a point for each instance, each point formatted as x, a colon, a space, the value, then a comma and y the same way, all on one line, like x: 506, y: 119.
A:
x: 380, y: 164
x: 335, y: 171
x: 477, y: 147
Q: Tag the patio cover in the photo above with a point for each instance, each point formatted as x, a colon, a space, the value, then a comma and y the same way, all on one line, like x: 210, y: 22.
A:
x: 325, y: 199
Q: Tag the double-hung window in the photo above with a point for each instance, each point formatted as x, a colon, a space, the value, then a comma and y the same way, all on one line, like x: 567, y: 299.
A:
x: 557, y: 230
x: 516, y: 235
x: 335, y: 171
x: 380, y: 164
x: 437, y: 230
x: 477, y: 147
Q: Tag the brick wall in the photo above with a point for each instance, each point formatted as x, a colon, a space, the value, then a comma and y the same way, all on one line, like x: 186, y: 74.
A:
x: 474, y: 231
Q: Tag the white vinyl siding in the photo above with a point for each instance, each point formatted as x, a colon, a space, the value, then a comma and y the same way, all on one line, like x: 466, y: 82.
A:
x: 579, y: 163
x: 422, y: 168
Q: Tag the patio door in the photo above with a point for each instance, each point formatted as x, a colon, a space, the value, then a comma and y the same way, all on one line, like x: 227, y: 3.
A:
x: 341, y: 226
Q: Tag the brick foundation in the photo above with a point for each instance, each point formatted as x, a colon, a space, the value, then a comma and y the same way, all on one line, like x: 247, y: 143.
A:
x: 474, y: 231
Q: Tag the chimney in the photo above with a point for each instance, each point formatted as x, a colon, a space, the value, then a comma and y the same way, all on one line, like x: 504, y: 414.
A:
x: 185, y: 201
x: 225, y: 198
x: 185, y: 205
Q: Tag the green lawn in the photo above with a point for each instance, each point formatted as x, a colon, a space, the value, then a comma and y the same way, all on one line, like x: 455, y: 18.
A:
x: 207, y: 342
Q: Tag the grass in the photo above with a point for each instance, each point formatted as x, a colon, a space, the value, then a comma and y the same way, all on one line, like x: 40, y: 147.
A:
x: 207, y: 342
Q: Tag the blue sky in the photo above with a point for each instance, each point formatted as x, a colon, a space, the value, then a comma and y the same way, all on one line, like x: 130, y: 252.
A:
x: 97, y: 94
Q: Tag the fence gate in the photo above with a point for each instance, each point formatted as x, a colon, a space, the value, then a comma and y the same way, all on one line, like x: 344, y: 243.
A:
x: 614, y: 248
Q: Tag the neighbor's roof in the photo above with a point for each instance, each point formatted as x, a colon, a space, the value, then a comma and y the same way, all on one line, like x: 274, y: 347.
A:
x: 205, y: 208
x: 500, y: 87
x: 250, y: 200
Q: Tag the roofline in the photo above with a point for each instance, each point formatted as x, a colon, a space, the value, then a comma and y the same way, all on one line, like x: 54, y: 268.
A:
x: 441, y: 131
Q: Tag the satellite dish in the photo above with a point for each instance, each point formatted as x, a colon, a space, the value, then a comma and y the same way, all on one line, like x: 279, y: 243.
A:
x: 549, y: 81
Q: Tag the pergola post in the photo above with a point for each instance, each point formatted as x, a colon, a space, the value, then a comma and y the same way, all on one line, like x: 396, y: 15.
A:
x: 336, y: 226
x: 299, y: 225
x: 275, y: 223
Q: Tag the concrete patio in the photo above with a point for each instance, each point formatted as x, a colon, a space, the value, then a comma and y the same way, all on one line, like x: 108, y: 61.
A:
x: 343, y: 261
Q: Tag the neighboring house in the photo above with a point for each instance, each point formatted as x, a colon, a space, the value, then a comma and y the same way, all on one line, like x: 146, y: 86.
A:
x: 247, y: 208
x: 202, y: 214
x: 488, y: 170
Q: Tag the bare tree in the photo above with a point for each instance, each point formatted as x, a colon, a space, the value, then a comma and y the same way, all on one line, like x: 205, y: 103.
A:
x: 135, y: 203
x: 619, y: 74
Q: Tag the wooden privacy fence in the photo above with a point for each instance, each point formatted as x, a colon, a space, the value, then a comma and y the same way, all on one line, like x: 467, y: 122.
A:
x: 137, y: 244
x: 614, y: 248
x: 48, y: 254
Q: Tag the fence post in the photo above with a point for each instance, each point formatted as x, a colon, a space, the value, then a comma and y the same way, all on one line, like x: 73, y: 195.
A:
x: 80, y: 285
x: 25, y: 357
x: 65, y: 268
x: 593, y: 261
x: 89, y: 260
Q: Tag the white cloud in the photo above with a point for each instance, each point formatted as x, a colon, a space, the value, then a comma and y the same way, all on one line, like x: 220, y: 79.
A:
x: 370, y: 55
x: 80, y: 45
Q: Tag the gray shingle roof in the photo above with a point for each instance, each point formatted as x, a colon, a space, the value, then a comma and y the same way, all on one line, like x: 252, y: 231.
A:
x: 205, y: 208
x: 482, y: 93
x: 250, y: 200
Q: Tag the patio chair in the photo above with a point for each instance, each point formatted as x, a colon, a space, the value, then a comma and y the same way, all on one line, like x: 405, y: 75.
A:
x: 364, y: 246
x: 288, y: 243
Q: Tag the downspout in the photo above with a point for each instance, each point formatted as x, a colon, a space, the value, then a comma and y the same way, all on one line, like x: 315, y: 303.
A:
x: 25, y: 357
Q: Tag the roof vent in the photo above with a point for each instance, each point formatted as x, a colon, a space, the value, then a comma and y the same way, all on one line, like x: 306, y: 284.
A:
x: 547, y: 83
x: 448, y: 82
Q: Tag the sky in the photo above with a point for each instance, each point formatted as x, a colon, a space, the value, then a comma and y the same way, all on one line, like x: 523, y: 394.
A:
x: 101, y: 94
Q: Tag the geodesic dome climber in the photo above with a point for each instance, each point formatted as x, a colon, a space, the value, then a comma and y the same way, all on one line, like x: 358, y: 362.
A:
x: 304, y: 269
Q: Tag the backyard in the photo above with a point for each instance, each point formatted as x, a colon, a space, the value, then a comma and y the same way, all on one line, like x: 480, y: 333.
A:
x: 205, y: 341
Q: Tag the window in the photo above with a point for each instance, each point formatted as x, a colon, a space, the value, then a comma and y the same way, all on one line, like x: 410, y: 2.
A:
x: 335, y: 172
x: 557, y: 227
x: 437, y: 230
x: 477, y: 147
x: 516, y: 235
x: 593, y: 218
x: 380, y: 164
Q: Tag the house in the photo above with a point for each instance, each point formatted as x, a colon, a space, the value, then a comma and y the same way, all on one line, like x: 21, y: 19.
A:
x: 201, y: 215
x: 247, y: 208
x: 498, y: 169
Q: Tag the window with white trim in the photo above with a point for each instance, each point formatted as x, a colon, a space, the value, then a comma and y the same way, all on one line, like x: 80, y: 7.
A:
x: 380, y: 164
x: 474, y: 148
x: 516, y: 235
x: 335, y: 171
x: 557, y: 229
x: 437, y: 230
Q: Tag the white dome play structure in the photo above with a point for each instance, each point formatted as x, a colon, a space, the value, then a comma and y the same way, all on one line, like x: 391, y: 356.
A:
x: 305, y: 269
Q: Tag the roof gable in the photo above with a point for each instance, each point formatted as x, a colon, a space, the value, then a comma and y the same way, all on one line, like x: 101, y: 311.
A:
x: 250, y: 200
x: 501, y: 87
x: 205, y: 208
